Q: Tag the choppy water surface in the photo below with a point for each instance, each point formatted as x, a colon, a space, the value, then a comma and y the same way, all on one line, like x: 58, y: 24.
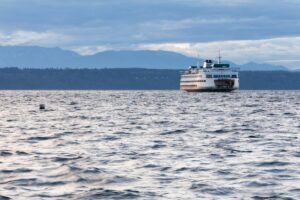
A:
x: 149, y: 145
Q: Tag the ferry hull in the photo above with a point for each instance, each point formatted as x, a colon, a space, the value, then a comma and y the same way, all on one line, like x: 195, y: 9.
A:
x: 217, y: 85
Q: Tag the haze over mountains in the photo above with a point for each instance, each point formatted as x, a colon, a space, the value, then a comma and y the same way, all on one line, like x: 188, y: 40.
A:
x: 41, y: 57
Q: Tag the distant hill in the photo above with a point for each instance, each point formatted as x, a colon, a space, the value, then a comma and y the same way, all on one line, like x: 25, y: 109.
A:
x: 40, y: 57
x: 252, y: 66
x: 130, y: 79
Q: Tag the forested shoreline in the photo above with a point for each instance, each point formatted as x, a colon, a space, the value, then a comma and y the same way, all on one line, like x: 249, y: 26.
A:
x: 130, y: 79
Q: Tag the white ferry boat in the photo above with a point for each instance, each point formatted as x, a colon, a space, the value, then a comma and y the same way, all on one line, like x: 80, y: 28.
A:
x: 210, y: 77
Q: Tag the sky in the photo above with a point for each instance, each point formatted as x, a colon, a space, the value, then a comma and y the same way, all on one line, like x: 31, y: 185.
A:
x: 263, y: 31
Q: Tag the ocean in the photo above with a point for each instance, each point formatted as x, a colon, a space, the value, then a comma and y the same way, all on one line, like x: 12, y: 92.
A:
x: 149, y: 145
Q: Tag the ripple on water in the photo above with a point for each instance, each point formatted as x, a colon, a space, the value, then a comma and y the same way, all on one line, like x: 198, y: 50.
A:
x: 275, y: 196
x: 66, y: 158
x: 102, y: 193
x: 18, y: 170
x: 5, y: 153
x: 212, y: 190
x: 178, y: 131
x: 41, y: 138
x: 272, y: 164
x: 261, y: 184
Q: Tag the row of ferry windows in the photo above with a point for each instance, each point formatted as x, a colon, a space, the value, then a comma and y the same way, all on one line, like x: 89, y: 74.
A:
x: 221, y: 76
x: 186, y: 81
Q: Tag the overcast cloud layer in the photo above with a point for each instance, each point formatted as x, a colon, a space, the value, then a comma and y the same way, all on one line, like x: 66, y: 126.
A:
x: 245, y: 30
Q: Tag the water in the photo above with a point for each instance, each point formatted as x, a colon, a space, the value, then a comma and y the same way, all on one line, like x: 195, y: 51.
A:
x: 150, y: 145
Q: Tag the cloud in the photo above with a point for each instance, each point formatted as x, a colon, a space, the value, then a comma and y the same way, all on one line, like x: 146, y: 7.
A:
x: 280, y: 51
x: 90, y: 50
x: 134, y: 21
x: 169, y: 25
x: 214, y: 2
x: 244, y: 29
x: 32, y: 38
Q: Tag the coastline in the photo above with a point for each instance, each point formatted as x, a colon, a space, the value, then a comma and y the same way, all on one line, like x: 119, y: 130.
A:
x: 130, y: 79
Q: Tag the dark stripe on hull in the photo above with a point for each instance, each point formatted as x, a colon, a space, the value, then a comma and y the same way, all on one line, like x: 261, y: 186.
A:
x: 209, y: 90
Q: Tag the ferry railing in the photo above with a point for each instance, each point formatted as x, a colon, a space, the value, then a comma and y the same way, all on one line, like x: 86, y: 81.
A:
x: 233, y: 69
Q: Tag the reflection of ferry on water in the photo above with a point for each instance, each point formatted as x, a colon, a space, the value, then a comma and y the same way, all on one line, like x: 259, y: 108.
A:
x: 210, y: 77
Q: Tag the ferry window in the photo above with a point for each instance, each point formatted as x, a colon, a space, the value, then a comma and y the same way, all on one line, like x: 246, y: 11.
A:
x: 208, y: 76
x: 234, y: 76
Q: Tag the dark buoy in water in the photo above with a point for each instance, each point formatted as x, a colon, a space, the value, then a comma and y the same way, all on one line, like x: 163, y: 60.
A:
x: 42, y: 107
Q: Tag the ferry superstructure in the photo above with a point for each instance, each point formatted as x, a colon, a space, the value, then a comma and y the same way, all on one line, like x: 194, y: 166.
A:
x: 210, y: 77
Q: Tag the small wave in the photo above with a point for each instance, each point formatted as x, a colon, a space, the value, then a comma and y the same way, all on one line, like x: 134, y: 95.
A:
x: 198, y: 185
x: 271, y: 197
x: 42, y: 138
x: 111, y: 194
x: 289, y: 114
x: 122, y: 133
x: 183, y: 169
x: 21, y: 182
x: 73, y: 103
x: 93, y: 170
x: 272, y: 164
x: 219, y: 191
x: 50, y: 183
x: 254, y: 136
x: 295, y: 190
x: 162, y: 122
x: 251, y: 105
x: 224, y: 172
x: 219, y: 131
x: 257, y: 111
x: 5, y: 153
x: 65, y: 133
x: 119, y: 179
x: 276, y: 170
x: 260, y: 184
x: 63, y: 196
x: 20, y: 170
x: 238, y: 151
x: 64, y: 159
x: 22, y: 153
x: 178, y: 131
x: 4, y: 198
x: 11, y: 120
x: 163, y: 169
x: 297, y: 154
x: 151, y: 166
x: 245, y: 130
x: 158, y: 146
x: 111, y: 138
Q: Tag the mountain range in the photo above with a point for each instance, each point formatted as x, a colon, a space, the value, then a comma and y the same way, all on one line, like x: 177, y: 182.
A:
x: 41, y: 57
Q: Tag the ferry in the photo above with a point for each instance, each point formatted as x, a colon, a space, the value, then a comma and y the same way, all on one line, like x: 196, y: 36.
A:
x: 211, y: 77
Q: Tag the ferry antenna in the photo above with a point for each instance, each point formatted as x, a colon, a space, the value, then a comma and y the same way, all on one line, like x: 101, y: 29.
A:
x: 198, y: 60
x: 219, y: 57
